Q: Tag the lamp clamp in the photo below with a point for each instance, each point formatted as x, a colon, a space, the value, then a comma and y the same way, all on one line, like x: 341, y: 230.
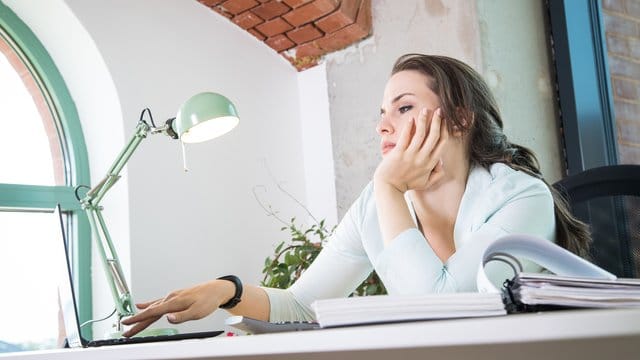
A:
x: 169, y: 128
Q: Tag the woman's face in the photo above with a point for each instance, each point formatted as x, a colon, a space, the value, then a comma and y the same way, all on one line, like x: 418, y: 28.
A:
x: 405, y: 95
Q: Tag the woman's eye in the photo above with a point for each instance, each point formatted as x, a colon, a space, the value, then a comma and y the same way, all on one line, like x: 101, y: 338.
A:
x: 404, y: 109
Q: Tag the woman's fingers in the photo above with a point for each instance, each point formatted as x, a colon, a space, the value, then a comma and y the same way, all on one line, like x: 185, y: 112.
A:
x: 421, y: 132
x: 191, y: 313
x: 442, y: 140
x: 151, y: 314
x: 154, y: 311
x: 434, y: 133
x: 139, y: 327
x: 145, y: 305
x: 405, y: 135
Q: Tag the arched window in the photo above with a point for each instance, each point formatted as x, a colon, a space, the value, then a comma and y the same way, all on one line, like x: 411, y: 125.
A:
x: 42, y: 159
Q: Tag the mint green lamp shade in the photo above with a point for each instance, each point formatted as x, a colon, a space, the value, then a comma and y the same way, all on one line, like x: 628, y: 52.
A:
x: 205, y: 116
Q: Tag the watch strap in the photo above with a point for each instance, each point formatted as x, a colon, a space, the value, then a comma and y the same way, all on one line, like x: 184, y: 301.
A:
x: 238, y: 294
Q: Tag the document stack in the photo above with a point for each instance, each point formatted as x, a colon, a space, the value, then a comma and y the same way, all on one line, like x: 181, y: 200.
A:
x: 536, y: 291
x: 388, y: 308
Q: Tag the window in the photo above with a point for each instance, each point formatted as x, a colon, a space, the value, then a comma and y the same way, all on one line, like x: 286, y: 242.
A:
x: 583, y: 84
x: 43, y: 159
x: 598, y: 82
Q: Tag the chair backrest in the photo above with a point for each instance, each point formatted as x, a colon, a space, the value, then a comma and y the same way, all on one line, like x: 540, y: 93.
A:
x: 608, y: 199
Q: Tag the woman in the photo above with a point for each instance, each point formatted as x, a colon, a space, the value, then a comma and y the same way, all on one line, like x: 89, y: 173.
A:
x: 449, y: 184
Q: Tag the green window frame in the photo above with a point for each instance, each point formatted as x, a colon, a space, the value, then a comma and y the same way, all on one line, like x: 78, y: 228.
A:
x: 65, y: 115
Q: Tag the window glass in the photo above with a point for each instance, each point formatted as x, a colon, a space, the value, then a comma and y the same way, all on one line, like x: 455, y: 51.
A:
x: 29, y: 280
x: 29, y: 140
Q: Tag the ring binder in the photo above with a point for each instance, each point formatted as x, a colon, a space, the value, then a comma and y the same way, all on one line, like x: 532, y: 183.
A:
x: 510, y: 260
x: 574, y: 283
x: 545, y: 253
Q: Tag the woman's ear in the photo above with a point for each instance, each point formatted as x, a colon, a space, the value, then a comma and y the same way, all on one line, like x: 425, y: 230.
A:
x: 466, y: 120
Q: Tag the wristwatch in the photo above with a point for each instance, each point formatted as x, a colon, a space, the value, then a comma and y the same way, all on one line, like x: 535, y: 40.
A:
x: 237, y: 296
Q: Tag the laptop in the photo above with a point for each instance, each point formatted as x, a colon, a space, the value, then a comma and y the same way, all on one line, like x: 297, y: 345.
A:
x: 70, y: 309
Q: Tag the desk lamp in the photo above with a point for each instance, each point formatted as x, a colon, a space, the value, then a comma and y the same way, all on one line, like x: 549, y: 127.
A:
x: 203, y: 117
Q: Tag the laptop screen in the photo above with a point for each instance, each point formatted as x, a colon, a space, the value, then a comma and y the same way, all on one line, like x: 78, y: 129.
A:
x: 65, y: 289
x: 69, y: 308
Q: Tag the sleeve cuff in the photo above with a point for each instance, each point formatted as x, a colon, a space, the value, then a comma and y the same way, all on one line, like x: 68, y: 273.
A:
x: 283, y: 306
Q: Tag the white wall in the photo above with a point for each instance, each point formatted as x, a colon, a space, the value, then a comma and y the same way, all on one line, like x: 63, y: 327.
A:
x: 317, y: 146
x: 516, y: 60
x: 357, y: 76
x: 184, y: 227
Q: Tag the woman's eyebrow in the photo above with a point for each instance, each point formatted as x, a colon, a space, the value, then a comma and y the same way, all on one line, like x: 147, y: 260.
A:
x: 395, y: 99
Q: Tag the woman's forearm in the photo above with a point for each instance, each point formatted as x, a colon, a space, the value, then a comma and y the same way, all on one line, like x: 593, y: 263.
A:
x: 393, y: 214
x: 254, y: 303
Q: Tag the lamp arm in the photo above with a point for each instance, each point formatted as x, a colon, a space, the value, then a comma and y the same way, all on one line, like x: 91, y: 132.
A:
x: 95, y: 195
x: 91, y: 205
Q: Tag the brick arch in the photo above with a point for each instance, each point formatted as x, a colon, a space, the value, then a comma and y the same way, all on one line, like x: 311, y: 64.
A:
x: 302, y: 31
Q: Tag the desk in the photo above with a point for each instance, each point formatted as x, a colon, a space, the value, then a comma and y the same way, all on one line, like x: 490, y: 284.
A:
x: 577, y: 334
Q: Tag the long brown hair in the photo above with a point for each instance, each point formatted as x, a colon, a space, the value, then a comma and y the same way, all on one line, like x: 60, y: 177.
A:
x: 459, y: 87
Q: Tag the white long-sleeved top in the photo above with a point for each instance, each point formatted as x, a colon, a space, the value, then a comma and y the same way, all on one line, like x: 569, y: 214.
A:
x: 495, y: 203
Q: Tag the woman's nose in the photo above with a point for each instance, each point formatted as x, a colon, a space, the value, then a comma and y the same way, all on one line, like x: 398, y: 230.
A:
x: 384, y: 126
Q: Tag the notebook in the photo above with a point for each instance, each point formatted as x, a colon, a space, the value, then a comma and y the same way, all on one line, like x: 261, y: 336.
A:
x: 70, y: 310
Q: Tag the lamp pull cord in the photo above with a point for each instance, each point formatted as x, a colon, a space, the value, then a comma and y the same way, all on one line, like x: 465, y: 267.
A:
x: 184, y: 157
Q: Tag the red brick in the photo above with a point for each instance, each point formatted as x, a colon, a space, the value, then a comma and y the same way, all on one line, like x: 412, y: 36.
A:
x: 628, y: 131
x: 220, y: 10
x: 247, y: 20
x: 364, y: 20
x: 629, y: 154
x: 271, y: 9
x: 633, y: 8
x: 622, y: 67
x: 634, y: 45
x: 310, y: 12
x: 210, y: 3
x: 304, y: 34
x: 351, y: 33
x: 237, y: 6
x: 257, y: 34
x: 621, y: 26
x: 302, y: 63
x: 279, y: 43
x: 308, y: 49
x: 274, y: 27
x: 295, y: 3
x: 345, y: 15
x: 614, y: 5
x: 627, y: 111
x: 626, y: 89
x: 617, y: 45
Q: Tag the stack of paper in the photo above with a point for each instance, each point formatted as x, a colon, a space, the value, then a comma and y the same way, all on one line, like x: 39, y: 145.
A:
x: 549, y: 289
x: 388, y: 308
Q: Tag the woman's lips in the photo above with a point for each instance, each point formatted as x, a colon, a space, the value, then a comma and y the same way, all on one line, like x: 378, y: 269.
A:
x: 387, y: 146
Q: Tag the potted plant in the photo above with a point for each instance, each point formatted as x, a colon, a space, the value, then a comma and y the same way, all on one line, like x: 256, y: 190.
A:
x: 293, y: 256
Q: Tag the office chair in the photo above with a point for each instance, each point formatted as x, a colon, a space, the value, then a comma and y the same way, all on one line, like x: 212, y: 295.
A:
x: 608, y: 199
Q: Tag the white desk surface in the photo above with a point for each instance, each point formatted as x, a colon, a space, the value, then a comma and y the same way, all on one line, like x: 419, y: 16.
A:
x: 577, y: 334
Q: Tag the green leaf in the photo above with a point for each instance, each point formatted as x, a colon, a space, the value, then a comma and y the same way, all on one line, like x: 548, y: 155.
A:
x: 289, y: 259
x: 372, y: 289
